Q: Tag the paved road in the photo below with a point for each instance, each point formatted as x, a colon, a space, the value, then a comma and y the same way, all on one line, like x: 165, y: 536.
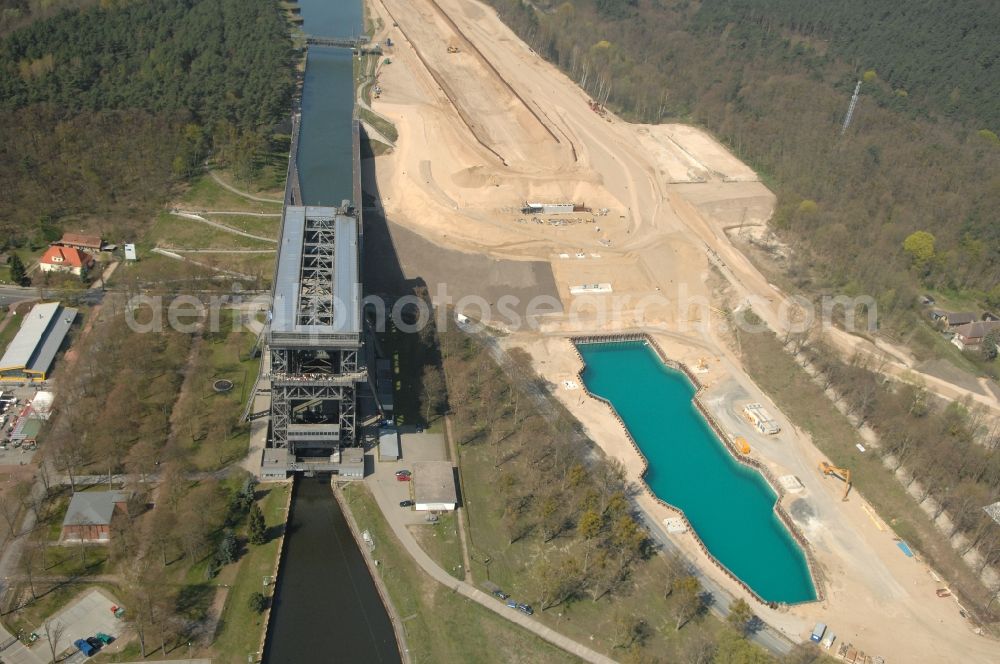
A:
x: 11, y: 294
x: 391, y: 512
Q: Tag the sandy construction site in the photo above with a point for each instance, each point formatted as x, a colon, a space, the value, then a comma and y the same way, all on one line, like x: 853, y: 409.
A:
x: 492, y: 126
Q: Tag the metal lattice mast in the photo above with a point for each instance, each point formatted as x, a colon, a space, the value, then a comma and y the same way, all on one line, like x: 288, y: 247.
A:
x: 850, y: 109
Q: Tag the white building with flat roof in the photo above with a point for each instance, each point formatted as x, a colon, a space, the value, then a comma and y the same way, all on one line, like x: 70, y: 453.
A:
x: 434, y: 486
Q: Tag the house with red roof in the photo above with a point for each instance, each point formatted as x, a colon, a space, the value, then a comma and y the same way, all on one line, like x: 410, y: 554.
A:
x: 65, y: 259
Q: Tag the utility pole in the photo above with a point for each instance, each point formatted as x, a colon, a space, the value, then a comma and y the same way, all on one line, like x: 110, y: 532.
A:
x: 850, y: 109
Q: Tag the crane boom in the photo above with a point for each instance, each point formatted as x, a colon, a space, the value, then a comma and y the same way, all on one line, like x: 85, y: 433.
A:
x: 842, y: 474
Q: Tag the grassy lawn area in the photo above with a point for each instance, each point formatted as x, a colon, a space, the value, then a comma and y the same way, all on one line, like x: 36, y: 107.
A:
x: 259, y: 268
x: 384, y: 127
x: 240, y: 628
x: 440, y: 541
x: 163, y: 273
x: 270, y: 181
x: 808, y: 407
x: 253, y: 224
x: 440, y: 625
x: 171, y: 231
x: 9, y: 332
x: 206, y: 194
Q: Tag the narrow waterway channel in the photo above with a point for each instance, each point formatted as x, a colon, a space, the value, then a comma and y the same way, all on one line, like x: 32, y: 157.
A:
x: 324, y: 159
x: 326, y: 607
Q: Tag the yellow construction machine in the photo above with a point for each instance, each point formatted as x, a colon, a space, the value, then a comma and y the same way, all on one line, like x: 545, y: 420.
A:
x: 840, y: 473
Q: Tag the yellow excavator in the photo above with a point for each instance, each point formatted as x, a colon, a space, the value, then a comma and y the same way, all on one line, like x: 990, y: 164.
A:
x: 840, y: 473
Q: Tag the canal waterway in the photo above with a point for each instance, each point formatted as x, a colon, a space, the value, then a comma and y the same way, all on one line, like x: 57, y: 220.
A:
x: 326, y: 607
x: 729, y: 505
x: 324, y: 159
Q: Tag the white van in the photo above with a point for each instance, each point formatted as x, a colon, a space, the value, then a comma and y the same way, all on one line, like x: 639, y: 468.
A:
x: 828, y: 641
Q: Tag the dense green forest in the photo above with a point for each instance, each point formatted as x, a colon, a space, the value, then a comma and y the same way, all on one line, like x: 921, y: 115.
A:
x: 15, y: 14
x: 940, y: 54
x: 773, y: 79
x: 102, y: 108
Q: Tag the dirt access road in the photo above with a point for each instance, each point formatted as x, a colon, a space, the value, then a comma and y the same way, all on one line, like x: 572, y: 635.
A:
x: 463, y: 167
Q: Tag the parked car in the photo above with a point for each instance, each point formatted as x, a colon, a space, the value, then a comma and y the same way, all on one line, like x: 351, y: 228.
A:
x: 84, y: 647
x: 401, y: 473
x: 402, y: 478
x: 525, y: 609
x: 512, y: 604
x: 106, y: 639
x: 406, y: 503
x: 501, y: 595
x: 94, y: 642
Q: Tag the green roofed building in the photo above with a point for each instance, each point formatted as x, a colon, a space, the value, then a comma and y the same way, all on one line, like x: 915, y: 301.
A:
x: 30, y: 355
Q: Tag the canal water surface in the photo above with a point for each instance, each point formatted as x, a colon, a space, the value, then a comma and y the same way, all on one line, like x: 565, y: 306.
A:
x: 326, y: 607
x: 324, y: 159
x: 729, y: 505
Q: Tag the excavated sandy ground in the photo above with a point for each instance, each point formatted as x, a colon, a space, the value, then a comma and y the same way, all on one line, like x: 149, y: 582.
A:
x: 492, y: 126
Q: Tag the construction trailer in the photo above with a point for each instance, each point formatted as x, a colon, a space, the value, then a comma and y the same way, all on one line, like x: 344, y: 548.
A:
x: 551, y: 208
x: 761, y: 420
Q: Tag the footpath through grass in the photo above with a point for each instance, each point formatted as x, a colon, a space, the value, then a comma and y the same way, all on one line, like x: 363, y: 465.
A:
x: 171, y: 231
x: 207, y: 194
x: 441, y: 626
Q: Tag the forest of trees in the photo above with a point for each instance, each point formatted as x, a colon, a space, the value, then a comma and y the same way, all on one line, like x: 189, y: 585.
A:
x: 15, y: 14
x: 773, y: 79
x: 101, y: 109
